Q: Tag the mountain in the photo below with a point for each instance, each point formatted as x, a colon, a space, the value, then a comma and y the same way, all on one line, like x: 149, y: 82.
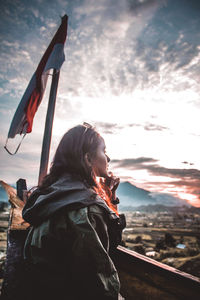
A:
x: 162, y: 208
x: 3, y: 195
x: 4, y: 203
x: 132, y: 196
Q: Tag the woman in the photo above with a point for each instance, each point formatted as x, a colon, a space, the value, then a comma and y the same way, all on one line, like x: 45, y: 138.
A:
x: 74, y: 224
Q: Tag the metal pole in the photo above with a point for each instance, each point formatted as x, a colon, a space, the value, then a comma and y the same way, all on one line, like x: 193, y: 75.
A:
x: 48, y: 127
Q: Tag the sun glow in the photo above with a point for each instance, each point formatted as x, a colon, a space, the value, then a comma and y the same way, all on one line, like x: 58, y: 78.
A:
x: 191, y: 199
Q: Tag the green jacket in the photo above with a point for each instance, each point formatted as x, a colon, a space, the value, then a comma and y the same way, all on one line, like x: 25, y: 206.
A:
x: 67, y: 248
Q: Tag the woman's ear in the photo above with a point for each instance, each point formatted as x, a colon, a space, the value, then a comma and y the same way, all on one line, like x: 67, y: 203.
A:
x: 88, y: 159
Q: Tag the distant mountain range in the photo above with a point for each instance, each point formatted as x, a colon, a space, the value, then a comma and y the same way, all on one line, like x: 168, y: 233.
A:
x: 3, y: 195
x: 132, y: 196
x: 161, y: 208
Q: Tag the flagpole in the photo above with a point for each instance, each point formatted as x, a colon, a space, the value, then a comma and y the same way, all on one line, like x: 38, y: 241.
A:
x: 48, y: 127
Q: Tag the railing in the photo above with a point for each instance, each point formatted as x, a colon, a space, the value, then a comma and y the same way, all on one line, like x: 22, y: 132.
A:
x: 143, y: 278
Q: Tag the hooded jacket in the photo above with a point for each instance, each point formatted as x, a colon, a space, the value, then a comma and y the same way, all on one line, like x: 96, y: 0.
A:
x: 67, y: 247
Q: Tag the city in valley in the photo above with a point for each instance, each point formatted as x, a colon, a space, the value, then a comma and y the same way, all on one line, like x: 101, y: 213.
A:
x: 170, y: 235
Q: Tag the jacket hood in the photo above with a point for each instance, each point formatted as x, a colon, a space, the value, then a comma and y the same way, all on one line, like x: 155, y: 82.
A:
x: 65, y: 192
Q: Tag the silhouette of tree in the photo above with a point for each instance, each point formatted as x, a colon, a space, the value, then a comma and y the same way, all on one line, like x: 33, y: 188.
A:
x: 140, y: 249
x: 169, y: 240
x: 160, y: 244
x: 138, y: 239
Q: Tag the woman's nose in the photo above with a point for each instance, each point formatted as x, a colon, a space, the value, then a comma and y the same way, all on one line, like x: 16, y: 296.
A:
x: 108, y: 158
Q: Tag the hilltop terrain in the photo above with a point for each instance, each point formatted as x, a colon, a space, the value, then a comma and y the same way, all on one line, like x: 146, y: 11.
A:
x: 131, y: 197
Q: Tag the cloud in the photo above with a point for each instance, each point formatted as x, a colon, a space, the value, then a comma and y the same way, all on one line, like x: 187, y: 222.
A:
x: 102, y: 48
x: 147, y: 163
x: 134, y: 163
x: 108, y: 128
x: 187, y: 163
x: 35, y: 12
x: 187, y: 179
x: 154, y: 127
x: 22, y: 42
x: 149, y: 126
x: 106, y: 51
x: 171, y: 39
x: 189, y: 174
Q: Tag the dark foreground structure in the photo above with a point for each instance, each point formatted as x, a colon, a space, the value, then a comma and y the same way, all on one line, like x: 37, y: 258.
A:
x: 141, y: 278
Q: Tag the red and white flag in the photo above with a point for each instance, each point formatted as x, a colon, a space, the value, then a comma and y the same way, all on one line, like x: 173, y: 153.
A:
x: 53, y: 58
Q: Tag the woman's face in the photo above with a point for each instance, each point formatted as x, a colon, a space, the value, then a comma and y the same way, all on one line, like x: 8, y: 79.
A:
x: 100, y: 160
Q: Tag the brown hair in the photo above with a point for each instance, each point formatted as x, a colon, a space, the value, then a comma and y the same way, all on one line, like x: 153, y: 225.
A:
x: 70, y: 155
x: 70, y: 158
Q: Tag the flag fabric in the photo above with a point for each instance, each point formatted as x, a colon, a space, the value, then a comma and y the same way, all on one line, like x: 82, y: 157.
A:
x: 53, y: 58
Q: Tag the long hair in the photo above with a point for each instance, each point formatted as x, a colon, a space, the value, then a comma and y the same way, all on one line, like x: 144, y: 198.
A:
x: 70, y: 155
x: 70, y: 158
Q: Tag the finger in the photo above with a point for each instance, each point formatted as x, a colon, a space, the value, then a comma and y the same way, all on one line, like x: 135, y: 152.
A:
x: 116, y: 183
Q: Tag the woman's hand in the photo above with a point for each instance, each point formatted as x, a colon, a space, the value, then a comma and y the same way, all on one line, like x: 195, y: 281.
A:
x: 112, y: 182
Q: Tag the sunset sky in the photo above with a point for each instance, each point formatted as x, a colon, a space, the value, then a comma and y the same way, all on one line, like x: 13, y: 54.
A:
x: 132, y: 69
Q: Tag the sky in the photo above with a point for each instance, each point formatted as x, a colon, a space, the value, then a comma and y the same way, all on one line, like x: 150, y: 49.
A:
x: 131, y: 70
